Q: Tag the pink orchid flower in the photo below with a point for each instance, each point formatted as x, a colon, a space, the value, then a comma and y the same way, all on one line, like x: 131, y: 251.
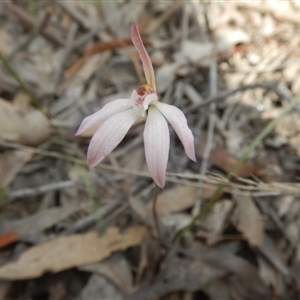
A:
x: 116, y: 117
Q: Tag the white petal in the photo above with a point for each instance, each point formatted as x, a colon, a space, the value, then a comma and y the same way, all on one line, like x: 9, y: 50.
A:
x: 104, y: 113
x: 109, y: 135
x: 157, y: 145
x: 178, y: 121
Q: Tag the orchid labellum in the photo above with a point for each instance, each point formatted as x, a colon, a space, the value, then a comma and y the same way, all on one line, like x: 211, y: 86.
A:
x: 116, y: 117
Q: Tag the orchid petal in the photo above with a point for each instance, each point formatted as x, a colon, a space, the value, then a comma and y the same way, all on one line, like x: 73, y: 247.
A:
x: 147, y: 64
x: 151, y: 98
x: 104, y: 113
x: 157, y: 145
x: 109, y: 135
x: 178, y: 121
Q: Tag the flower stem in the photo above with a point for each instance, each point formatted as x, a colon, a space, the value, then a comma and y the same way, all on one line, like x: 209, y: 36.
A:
x: 154, y: 212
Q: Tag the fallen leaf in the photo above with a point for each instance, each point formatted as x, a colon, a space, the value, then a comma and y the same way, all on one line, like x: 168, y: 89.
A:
x: 178, y: 274
x: 249, y: 220
x: 42, y: 220
x: 8, y: 238
x: 217, y: 219
x: 116, y: 268
x: 243, y: 273
x: 178, y: 199
x: 25, y: 126
x: 98, y: 287
x: 204, y: 267
x: 140, y: 209
x: 71, y: 251
x: 266, y: 272
x: 16, y: 160
x: 224, y: 160
x: 269, y: 250
x: 218, y: 289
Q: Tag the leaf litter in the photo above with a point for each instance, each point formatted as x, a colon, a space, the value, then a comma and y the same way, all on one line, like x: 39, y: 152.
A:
x: 231, y: 67
x: 49, y: 256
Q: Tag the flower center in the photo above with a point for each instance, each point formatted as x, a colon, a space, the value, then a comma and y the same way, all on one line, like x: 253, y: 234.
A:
x: 143, y: 91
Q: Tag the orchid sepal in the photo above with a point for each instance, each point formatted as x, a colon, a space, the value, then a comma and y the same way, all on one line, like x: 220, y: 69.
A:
x: 147, y: 64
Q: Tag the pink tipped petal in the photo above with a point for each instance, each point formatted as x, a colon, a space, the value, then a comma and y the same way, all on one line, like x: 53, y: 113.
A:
x: 178, y: 121
x: 104, y: 113
x: 109, y: 135
x: 157, y: 145
x: 147, y: 64
x: 151, y: 98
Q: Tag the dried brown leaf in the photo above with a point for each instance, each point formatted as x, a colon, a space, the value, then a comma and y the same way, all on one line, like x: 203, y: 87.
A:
x: 178, y: 274
x: 249, y: 220
x: 178, y: 199
x: 216, y: 220
x: 245, y: 275
x: 16, y: 161
x: 272, y: 254
x: 42, y: 220
x: 71, y: 251
x: 221, y: 158
x: 218, y: 289
x: 116, y: 268
x: 25, y: 126
x: 98, y: 287
x: 266, y: 272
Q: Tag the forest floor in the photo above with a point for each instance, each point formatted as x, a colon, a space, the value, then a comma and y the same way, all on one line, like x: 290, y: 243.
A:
x: 72, y: 232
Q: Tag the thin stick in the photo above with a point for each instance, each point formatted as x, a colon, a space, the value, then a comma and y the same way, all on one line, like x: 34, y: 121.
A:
x: 259, y: 189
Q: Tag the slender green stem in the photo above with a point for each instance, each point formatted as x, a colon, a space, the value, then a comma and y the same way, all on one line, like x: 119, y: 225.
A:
x: 269, y: 127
